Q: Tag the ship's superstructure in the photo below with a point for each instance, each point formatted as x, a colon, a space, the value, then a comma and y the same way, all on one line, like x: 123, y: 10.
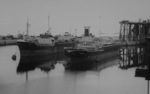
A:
x: 88, y: 50
x: 65, y: 38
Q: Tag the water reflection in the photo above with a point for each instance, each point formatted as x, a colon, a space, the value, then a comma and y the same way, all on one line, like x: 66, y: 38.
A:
x: 138, y: 57
x: 61, y: 81
x: 30, y: 63
x: 132, y: 57
x: 135, y: 57
x: 47, y: 75
x: 43, y: 62
x: 91, y: 64
x: 48, y: 62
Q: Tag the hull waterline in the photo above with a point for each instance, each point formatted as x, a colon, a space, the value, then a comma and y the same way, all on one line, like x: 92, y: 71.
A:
x: 85, y: 58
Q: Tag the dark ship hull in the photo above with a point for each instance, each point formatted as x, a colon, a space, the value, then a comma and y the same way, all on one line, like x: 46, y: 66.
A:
x: 28, y: 63
x: 82, y: 58
x: 32, y: 49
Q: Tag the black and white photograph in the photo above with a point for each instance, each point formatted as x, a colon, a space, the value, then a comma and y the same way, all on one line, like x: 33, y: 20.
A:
x: 74, y: 46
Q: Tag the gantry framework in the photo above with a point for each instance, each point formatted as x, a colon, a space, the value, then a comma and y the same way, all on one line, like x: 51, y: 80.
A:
x: 134, y: 31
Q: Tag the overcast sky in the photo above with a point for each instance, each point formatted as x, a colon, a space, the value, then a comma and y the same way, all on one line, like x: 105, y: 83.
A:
x: 68, y: 15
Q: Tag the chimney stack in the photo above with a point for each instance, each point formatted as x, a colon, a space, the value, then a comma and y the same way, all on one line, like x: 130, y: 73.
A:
x: 87, y: 30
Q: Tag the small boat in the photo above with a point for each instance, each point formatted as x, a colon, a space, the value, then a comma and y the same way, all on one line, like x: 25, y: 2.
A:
x: 88, y: 50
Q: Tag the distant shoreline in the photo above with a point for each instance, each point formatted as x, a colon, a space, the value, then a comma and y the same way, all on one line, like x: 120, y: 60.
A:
x: 8, y: 42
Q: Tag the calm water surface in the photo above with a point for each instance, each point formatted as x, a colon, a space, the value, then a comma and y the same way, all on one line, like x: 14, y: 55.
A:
x: 107, y: 78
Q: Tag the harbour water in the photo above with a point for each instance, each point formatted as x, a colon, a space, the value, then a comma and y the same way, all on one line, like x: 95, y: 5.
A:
x: 111, y: 76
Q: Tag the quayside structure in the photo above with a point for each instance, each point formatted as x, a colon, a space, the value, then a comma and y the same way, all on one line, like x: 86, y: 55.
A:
x: 134, y: 33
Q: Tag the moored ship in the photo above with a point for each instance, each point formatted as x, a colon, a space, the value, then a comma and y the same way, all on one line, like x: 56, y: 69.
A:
x: 44, y: 44
x: 36, y: 45
x: 87, y: 50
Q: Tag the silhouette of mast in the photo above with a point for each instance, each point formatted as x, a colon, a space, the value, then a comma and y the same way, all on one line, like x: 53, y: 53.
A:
x: 48, y: 31
x: 27, y: 26
x: 99, y: 26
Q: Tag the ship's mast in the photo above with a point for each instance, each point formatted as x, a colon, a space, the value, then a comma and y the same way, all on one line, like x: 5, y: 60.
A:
x: 75, y: 32
x: 27, y: 26
x: 70, y: 30
x: 48, y: 31
x: 99, y: 26
x: 48, y: 22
